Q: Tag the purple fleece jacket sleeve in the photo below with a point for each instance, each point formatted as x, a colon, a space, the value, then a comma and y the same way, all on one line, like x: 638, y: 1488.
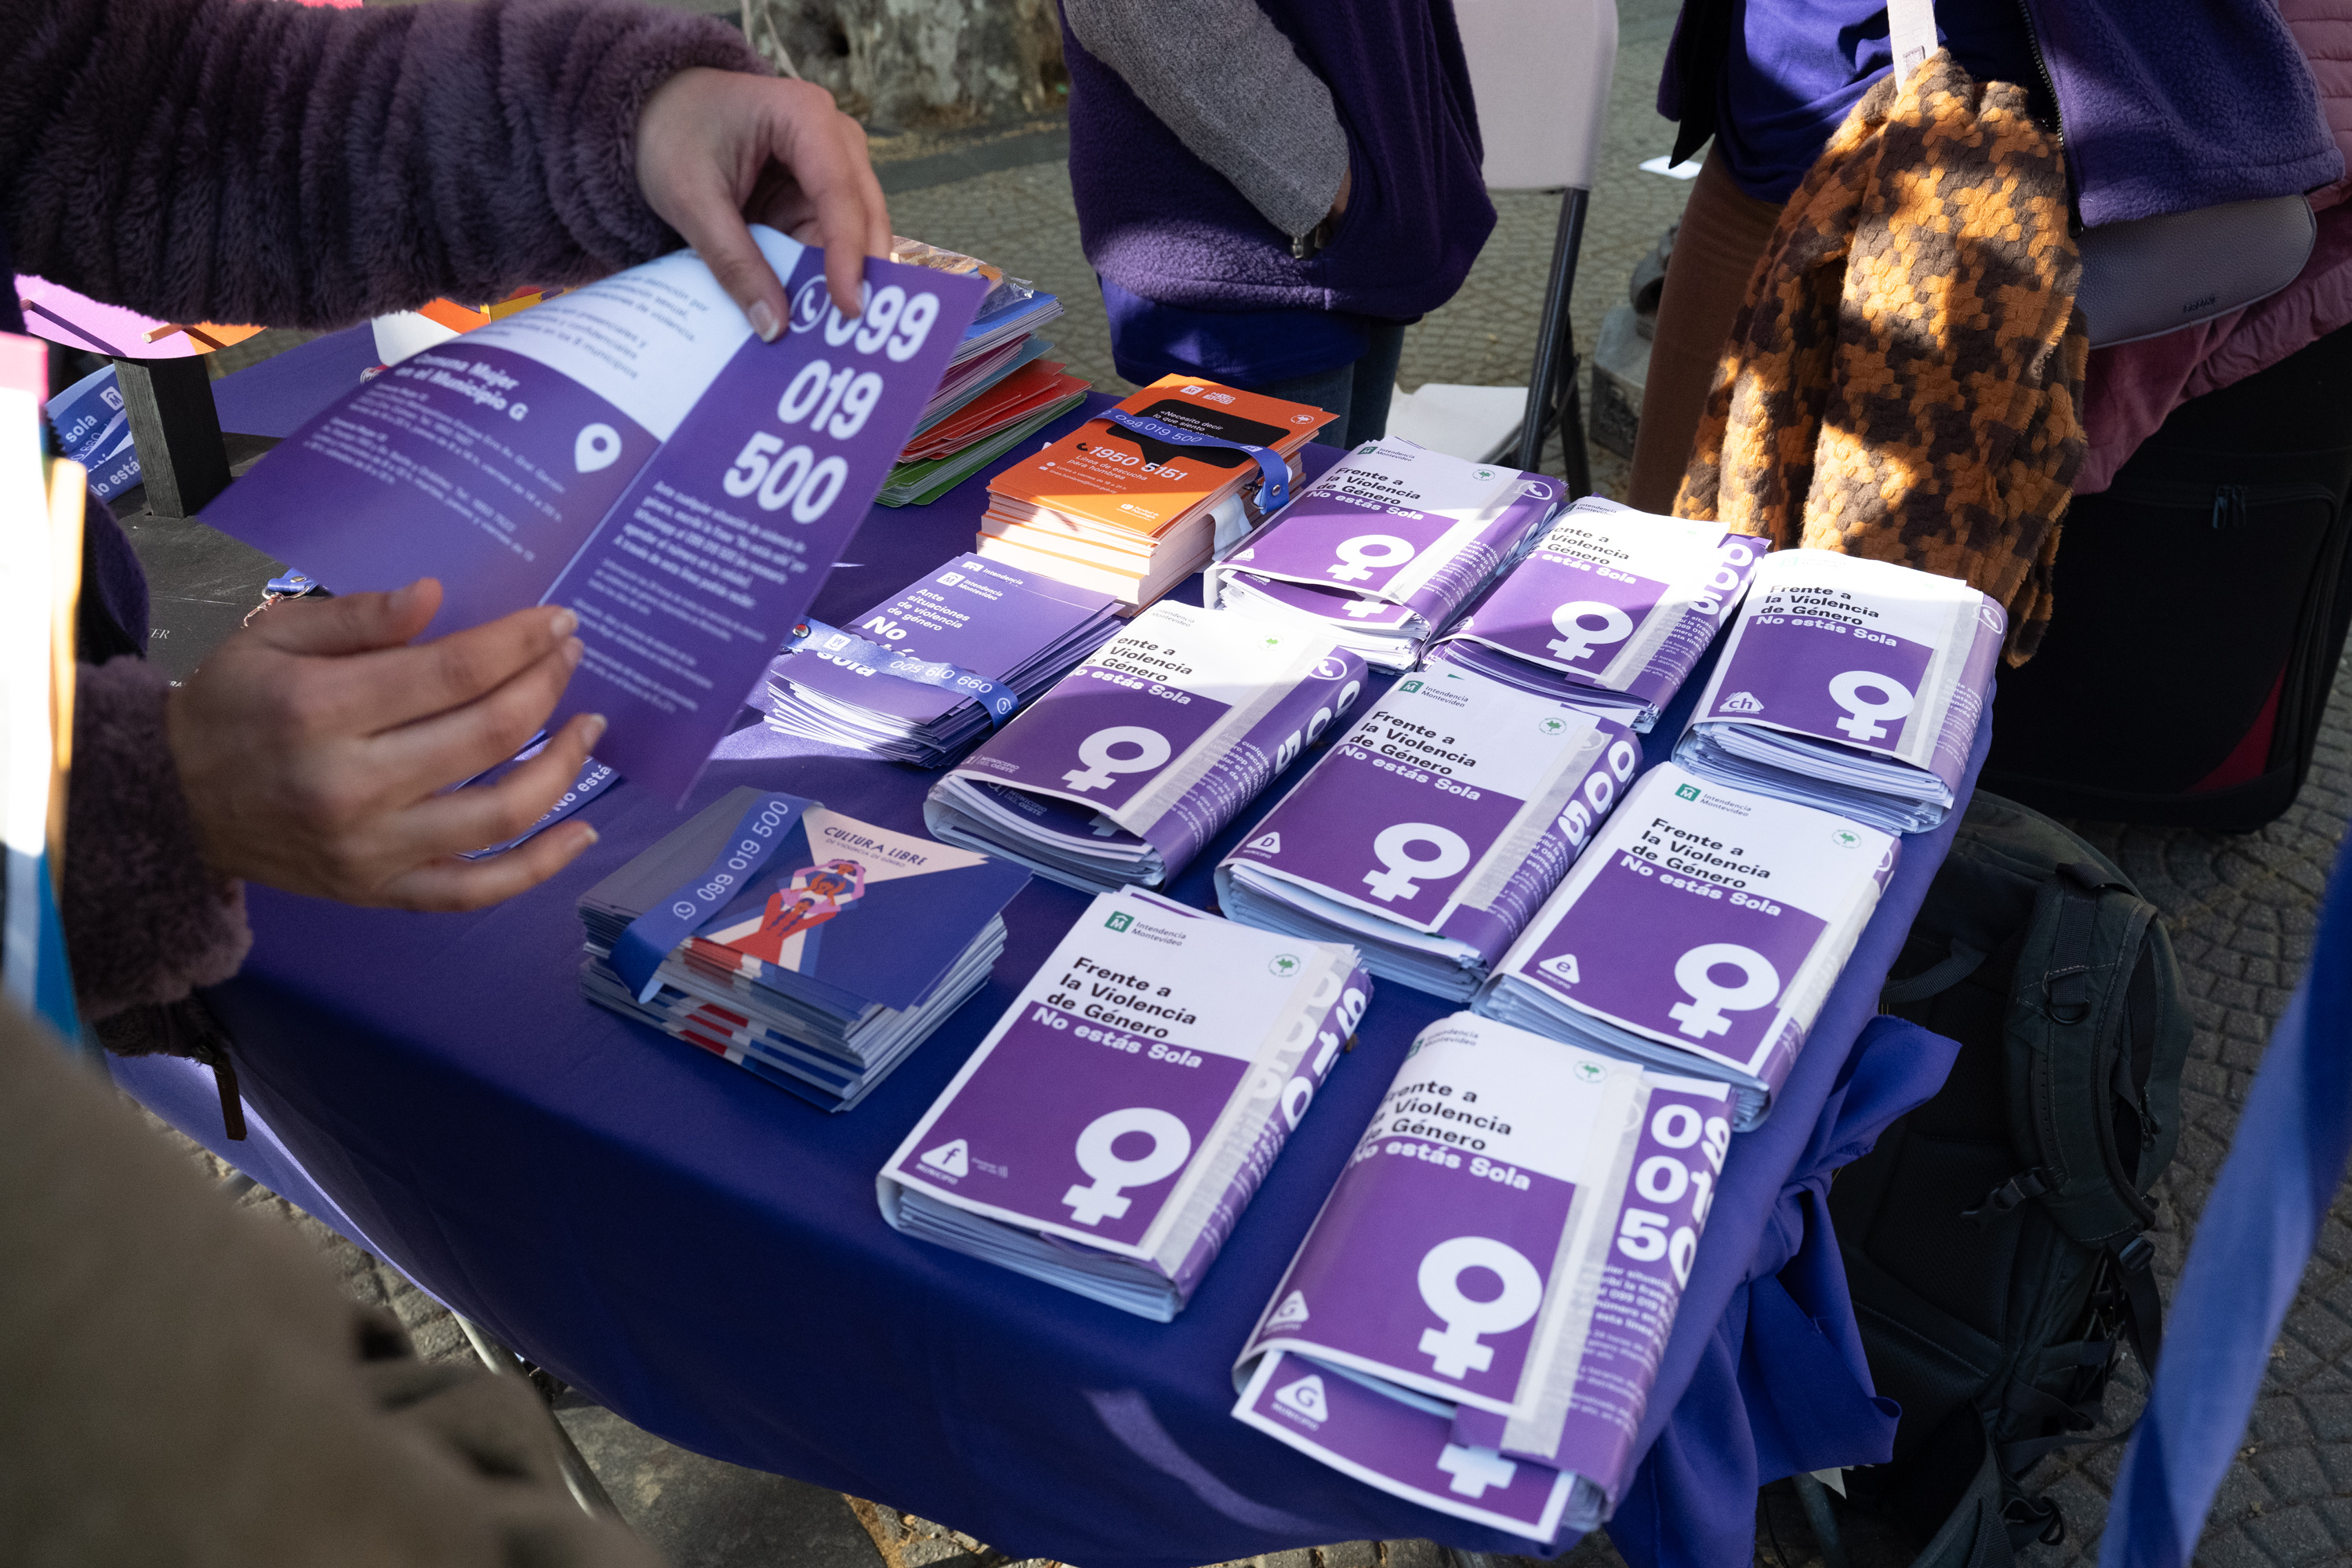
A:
x: 219, y: 160
x: 145, y: 921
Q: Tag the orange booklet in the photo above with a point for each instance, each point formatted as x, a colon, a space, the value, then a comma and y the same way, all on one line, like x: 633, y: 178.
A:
x: 1103, y: 477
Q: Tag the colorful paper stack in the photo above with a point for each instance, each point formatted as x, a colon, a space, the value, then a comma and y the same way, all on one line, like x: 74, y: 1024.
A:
x: 1133, y: 502
x: 998, y: 390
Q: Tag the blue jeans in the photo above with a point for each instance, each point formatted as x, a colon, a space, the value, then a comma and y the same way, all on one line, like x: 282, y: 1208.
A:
x: 1358, y: 392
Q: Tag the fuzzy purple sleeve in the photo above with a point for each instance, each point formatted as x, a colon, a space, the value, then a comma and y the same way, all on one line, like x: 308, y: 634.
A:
x: 235, y: 161
x: 145, y: 921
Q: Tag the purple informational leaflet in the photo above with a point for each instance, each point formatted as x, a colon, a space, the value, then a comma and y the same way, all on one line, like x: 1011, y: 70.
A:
x: 1500, y: 1261
x: 1017, y: 630
x: 1110, y: 1130
x: 1119, y: 774
x: 1700, y: 933
x: 1612, y: 608
x: 1432, y: 831
x: 1850, y: 684
x: 1385, y: 549
x: 632, y: 451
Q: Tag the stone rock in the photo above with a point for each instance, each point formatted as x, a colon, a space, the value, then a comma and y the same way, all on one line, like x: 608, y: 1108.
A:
x: 918, y: 64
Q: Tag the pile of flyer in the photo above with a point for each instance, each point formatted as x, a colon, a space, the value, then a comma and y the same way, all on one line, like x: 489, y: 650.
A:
x: 923, y: 675
x: 1110, y: 1130
x: 1612, y: 610
x: 1383, y: 550
x: 803, y: 945
x: 1701, y: 934
x: 1850, y: 684
x: 1135, y: 501
x: 1476, y: 1321
x: 1119, y: 774
x: 998, y: 389
x: 1431, y: 834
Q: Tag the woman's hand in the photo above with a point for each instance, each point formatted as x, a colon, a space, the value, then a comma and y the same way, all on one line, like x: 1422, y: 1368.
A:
x: 314, y: 748
x: 720, y: 150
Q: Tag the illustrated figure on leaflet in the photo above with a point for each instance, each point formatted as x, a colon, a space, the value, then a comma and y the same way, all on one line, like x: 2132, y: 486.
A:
x: 814, y: 895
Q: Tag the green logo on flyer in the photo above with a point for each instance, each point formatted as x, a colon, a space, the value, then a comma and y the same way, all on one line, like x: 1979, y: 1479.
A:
x: 1553, y: 726
x: 1845, y: 838
x: 1410, y: 685
x: 1120, y: 921
x: 1592, y: 1072
x: 1283, y: 967
x: 1688, y: 792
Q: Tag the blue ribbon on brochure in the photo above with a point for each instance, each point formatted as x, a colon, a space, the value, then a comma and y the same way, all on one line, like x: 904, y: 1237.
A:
x: 1271, y: 498
x: 997, y: 700
x: 654, y: 936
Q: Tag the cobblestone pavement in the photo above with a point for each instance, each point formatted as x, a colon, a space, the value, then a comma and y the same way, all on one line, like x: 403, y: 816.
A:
x: 2240, y: 909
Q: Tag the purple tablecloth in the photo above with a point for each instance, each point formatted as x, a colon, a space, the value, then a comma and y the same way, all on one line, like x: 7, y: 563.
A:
x: 703, y: 1253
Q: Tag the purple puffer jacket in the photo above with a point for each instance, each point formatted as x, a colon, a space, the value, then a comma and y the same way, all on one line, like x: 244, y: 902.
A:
x: 237, y: 160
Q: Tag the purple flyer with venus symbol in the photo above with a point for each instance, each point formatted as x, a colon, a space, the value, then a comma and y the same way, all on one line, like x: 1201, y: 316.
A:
x: 630, y: 450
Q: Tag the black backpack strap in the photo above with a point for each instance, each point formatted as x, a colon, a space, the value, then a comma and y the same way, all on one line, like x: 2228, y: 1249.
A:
x: 2143, y: 1308
x: 1934, y: 980
x: 1991, y: 1521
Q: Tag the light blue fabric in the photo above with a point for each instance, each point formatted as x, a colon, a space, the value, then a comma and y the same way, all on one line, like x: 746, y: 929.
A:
x: 2248, y: 1258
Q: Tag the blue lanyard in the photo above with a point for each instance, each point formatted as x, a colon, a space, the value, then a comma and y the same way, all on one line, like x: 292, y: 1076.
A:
x: 1272, y: 496
x: 996, y: 700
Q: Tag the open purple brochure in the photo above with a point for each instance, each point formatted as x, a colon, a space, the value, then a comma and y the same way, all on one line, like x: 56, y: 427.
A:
x: 1107, y: 1133
x: 630, y: 450
x: 1700, y: 933
x: 1476, y: 1317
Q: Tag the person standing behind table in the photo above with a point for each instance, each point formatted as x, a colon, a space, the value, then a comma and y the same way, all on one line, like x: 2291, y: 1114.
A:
x: 1271, y: 191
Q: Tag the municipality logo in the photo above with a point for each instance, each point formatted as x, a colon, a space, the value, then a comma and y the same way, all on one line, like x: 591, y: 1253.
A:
x: 1592, y: 1072
x: 1304, y: 1399
x: 1283, y: 967
x: 1845, y: 838
x: 1120, y: 921
x: 1291, y: 1313
x: 1741, y: 702
x: 1552, y: 726
x: 952, y: 1159
x: 1410, y: 685
x: 1687, y: 792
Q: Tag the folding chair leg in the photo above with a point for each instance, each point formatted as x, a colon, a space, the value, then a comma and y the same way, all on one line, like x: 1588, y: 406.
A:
x: 1816, y: 1499
x: 1555, y: 344
x: 578, y: 1476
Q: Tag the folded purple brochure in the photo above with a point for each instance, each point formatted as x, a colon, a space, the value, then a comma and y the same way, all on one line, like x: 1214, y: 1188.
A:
x: 1850, y: 684
x: 1700, y: 933
x: 632, y: 451
x: 973, y: 623
x: 1612, y: 608
x: 1503, y: 1253
x: 1385, y: 549
x: 1119, y: 774
x: 1431, y: 834
x: 1110, y: 1130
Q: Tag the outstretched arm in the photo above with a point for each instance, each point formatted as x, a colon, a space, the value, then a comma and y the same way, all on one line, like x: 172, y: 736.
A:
x: 225, y: 160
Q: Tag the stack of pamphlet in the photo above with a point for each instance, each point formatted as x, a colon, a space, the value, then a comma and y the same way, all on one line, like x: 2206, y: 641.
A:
x: 1132, y: 503
x: 1118, y: 775
x: 803, y: 945
x: 923, y: 675
x: 1700, y: 933
x: 997, y: 387
x: 1110, y: 1130
x: 1612, y: 610
x: 1852, y: 685
x: 950, y: 449
x: 1476, y: 1321
x: 1433, y: 831
x: 1385, y: 549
